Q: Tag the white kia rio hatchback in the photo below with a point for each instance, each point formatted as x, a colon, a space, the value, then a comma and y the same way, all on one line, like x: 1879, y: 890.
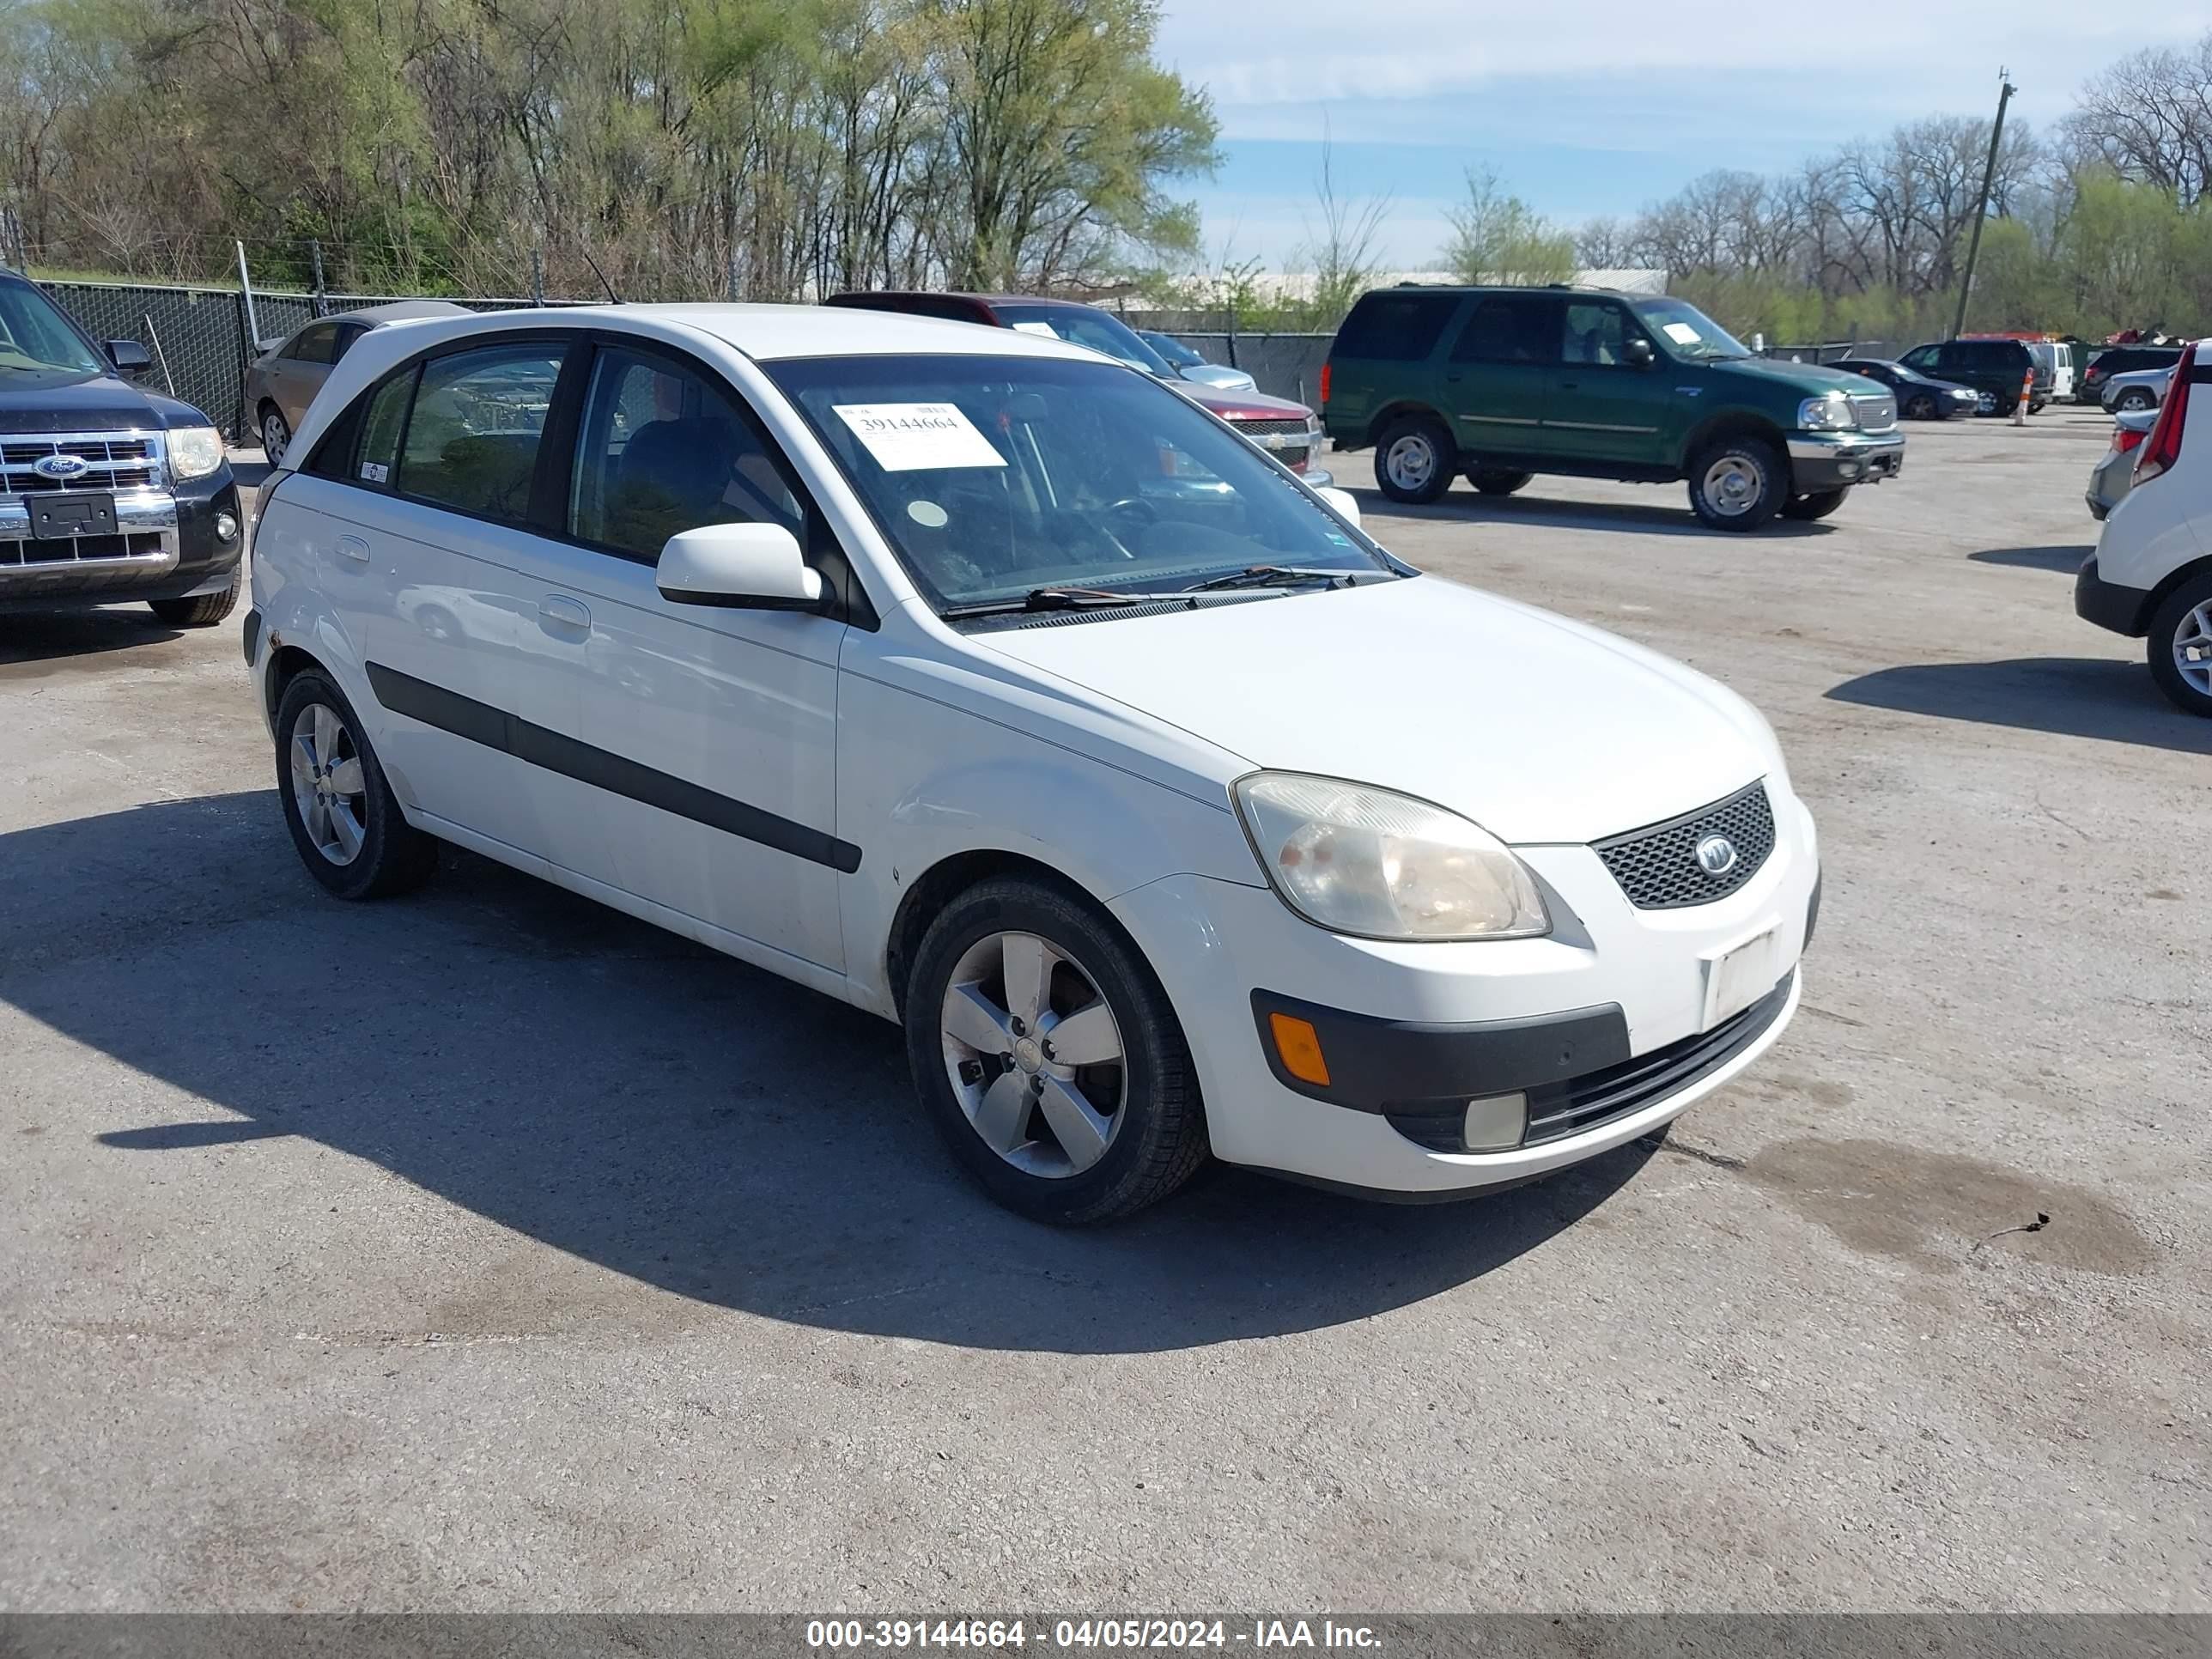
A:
x: 991, y: 686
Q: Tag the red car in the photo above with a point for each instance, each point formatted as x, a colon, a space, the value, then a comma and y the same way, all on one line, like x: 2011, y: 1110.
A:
x: 1288, y: 431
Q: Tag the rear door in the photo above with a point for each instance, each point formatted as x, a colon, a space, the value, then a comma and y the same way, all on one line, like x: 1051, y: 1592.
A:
x: 1602, y: 407
x: 1498, y: 377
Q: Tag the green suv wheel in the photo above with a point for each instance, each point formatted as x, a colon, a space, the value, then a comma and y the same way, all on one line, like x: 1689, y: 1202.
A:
x: 1739, y: 483
x: 1415, y: 459
x: 1818, y: 505
x: 1497, y: 480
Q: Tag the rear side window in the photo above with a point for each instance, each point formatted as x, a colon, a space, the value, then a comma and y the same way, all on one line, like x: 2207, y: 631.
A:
x: 471, y: 440
x: 1510, y: 328
x: 661, y: 451
x: 381, y: 429
x: 1394, y: 328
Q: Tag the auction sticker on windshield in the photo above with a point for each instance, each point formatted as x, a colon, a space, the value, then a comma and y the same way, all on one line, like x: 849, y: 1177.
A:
x: 916, y: 437
x: 1681, y: 334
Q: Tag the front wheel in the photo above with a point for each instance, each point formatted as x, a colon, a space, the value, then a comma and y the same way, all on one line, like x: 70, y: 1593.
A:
x: 1817, y: 505
x: 2179, y: 646
x: 201, y: 611
x: 1415, y: 459
x: 1497, y: 480
x: 2135, y: 400
x: 1739, y: 483
x: 1921, y: 408
x: 1048, y: 1057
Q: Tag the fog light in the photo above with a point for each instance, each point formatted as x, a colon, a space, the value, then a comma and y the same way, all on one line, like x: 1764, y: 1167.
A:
x: 1495, y: 1124
x: 226, y: 527
x: 1847, y: 469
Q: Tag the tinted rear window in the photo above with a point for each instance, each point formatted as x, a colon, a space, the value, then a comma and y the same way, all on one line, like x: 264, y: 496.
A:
x: 1394, y: 328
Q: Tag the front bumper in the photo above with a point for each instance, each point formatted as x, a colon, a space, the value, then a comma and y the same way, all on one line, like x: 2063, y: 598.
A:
x: 2122, y: 610
x: 1585, y: 1021
x: 166, y: 546
x: 1835, y: 460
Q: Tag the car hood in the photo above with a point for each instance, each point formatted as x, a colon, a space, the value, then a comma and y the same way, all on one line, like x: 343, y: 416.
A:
x: 87, y: 403
x: 1540, y: 729
x: 1241, y: 405
x: 1808, y: 379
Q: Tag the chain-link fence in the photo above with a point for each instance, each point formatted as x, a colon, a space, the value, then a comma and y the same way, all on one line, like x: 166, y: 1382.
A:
x: 1282, y: 365
x: 200, y: 337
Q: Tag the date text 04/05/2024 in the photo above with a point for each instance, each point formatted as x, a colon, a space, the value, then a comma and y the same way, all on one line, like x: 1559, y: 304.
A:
x: 1143, y: 1633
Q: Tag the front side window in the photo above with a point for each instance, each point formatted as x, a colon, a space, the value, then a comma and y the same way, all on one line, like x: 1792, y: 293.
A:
x: 1509, y: 328
x: 1923, y: 358
x: 472, y: 437
x: 1596, y: 333
x: 660, y: 450
x: 36, y: 339
x: 991, y: 477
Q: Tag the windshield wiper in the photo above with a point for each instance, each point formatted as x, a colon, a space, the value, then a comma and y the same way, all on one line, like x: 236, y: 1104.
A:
x: 1054, y: 598
x: 1274, y: 575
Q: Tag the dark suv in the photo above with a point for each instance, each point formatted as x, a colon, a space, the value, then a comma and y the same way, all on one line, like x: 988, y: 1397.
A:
x: 108, y: 492
x: 2122, y: 360
x: 1996, y: 370
x: 1501, y: 384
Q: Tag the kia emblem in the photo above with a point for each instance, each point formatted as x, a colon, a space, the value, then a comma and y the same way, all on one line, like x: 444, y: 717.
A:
x: 1716, y: 855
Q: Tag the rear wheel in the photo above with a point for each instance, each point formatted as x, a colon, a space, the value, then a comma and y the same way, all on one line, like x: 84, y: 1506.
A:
x: 201, y: 611
x: 2135, y: 399
x: 1497, y: 480
x: 275, y: 435
x: 1048, y: 1056
x: 343, y: 817
x: 2179, y: 646
x: 1738, y: 483
x: 1415, y: 459
x: 1818, y: 505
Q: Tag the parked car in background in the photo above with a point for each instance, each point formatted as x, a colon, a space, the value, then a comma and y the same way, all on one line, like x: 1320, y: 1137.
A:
x: 2136, y: 390
x: 1191, y: 365
x: 1918, y: 398
x: 2110, y: 478
x: 1289, y: 432
x: 2054, y: 364
x: 1997, y: 369
x: 862, y: 649
x: 109, y: 492
x: 1502, y: 383
x: 2151, y: 575
x: 2122, y: 360
x: 284, y: 379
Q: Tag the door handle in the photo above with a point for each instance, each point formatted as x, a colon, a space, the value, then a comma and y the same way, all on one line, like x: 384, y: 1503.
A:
x: 1570, y: 385
x: 1454, y: 379
x: 353, y: 548
x: 556, y: 610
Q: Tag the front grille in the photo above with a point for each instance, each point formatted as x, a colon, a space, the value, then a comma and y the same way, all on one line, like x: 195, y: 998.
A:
x: 69, y: 549
x: 1657, y: 866
x: 1596, y: 1098
x: 1876, y: 411
x: 116, y: 460
x: 1268, y: 429
x: 1295, y: 457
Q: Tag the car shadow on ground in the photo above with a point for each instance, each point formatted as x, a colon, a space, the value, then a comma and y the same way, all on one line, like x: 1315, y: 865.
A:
x: 2072, y: 696
x: 33, y: 643
x: 1467, y: 506
x: 2066, y: 559
x: 648, y: 1105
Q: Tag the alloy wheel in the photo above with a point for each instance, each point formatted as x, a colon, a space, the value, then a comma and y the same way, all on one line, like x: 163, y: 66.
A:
x: 327, y: 784
x: 1034, y: 1055
x: 2192, y: 649
x: 1411, y: 462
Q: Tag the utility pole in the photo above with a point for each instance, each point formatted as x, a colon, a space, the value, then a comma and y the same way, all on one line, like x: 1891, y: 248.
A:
x: 1982, y: 207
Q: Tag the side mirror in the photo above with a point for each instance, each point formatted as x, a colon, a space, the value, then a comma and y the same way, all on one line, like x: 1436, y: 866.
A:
x: 128, y: 356
x: 1342, y: 501
x: 1639, y: 354
x: 738, y: 567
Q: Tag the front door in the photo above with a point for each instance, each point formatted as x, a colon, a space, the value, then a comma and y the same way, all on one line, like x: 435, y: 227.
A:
x: 718, y: 798
x: 1603, y: 407
x: 1499, y: 376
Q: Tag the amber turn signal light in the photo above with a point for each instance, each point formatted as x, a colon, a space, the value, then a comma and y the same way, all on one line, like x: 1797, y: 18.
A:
x: 1298, y: 1046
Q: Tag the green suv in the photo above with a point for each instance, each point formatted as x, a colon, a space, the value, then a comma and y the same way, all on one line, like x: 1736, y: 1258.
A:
x: 1502, y: 383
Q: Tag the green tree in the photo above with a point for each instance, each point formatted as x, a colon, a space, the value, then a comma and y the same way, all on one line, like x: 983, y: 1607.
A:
x: 1498, y: 238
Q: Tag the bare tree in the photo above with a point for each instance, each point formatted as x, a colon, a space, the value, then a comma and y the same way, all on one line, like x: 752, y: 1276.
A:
x: 1342, y: 254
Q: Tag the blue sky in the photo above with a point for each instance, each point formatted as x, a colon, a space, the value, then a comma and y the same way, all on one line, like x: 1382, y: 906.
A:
x: 1593, y: 106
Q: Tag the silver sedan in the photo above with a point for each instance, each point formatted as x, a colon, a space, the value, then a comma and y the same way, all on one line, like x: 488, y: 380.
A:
x: 284, y: 379
x: 2115, y: 469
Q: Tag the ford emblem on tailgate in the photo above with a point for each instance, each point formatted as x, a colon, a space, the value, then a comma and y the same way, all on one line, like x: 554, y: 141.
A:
x: 61, y: 466
x: 1716, y: 855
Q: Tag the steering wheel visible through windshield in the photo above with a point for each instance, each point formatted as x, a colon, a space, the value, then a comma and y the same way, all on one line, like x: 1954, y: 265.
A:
x: 993, y: 476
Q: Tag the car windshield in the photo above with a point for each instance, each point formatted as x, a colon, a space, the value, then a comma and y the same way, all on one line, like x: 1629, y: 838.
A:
x: 36, y: 338
x: 1688, y: 332
x: 1173, y: 350
x: 992, y: 476
x: 1081, y: 325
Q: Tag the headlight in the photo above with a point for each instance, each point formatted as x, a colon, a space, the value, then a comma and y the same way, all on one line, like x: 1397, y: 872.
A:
x: 1829, y: 414
x: 1366, y: 861
x: 194, y: 452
